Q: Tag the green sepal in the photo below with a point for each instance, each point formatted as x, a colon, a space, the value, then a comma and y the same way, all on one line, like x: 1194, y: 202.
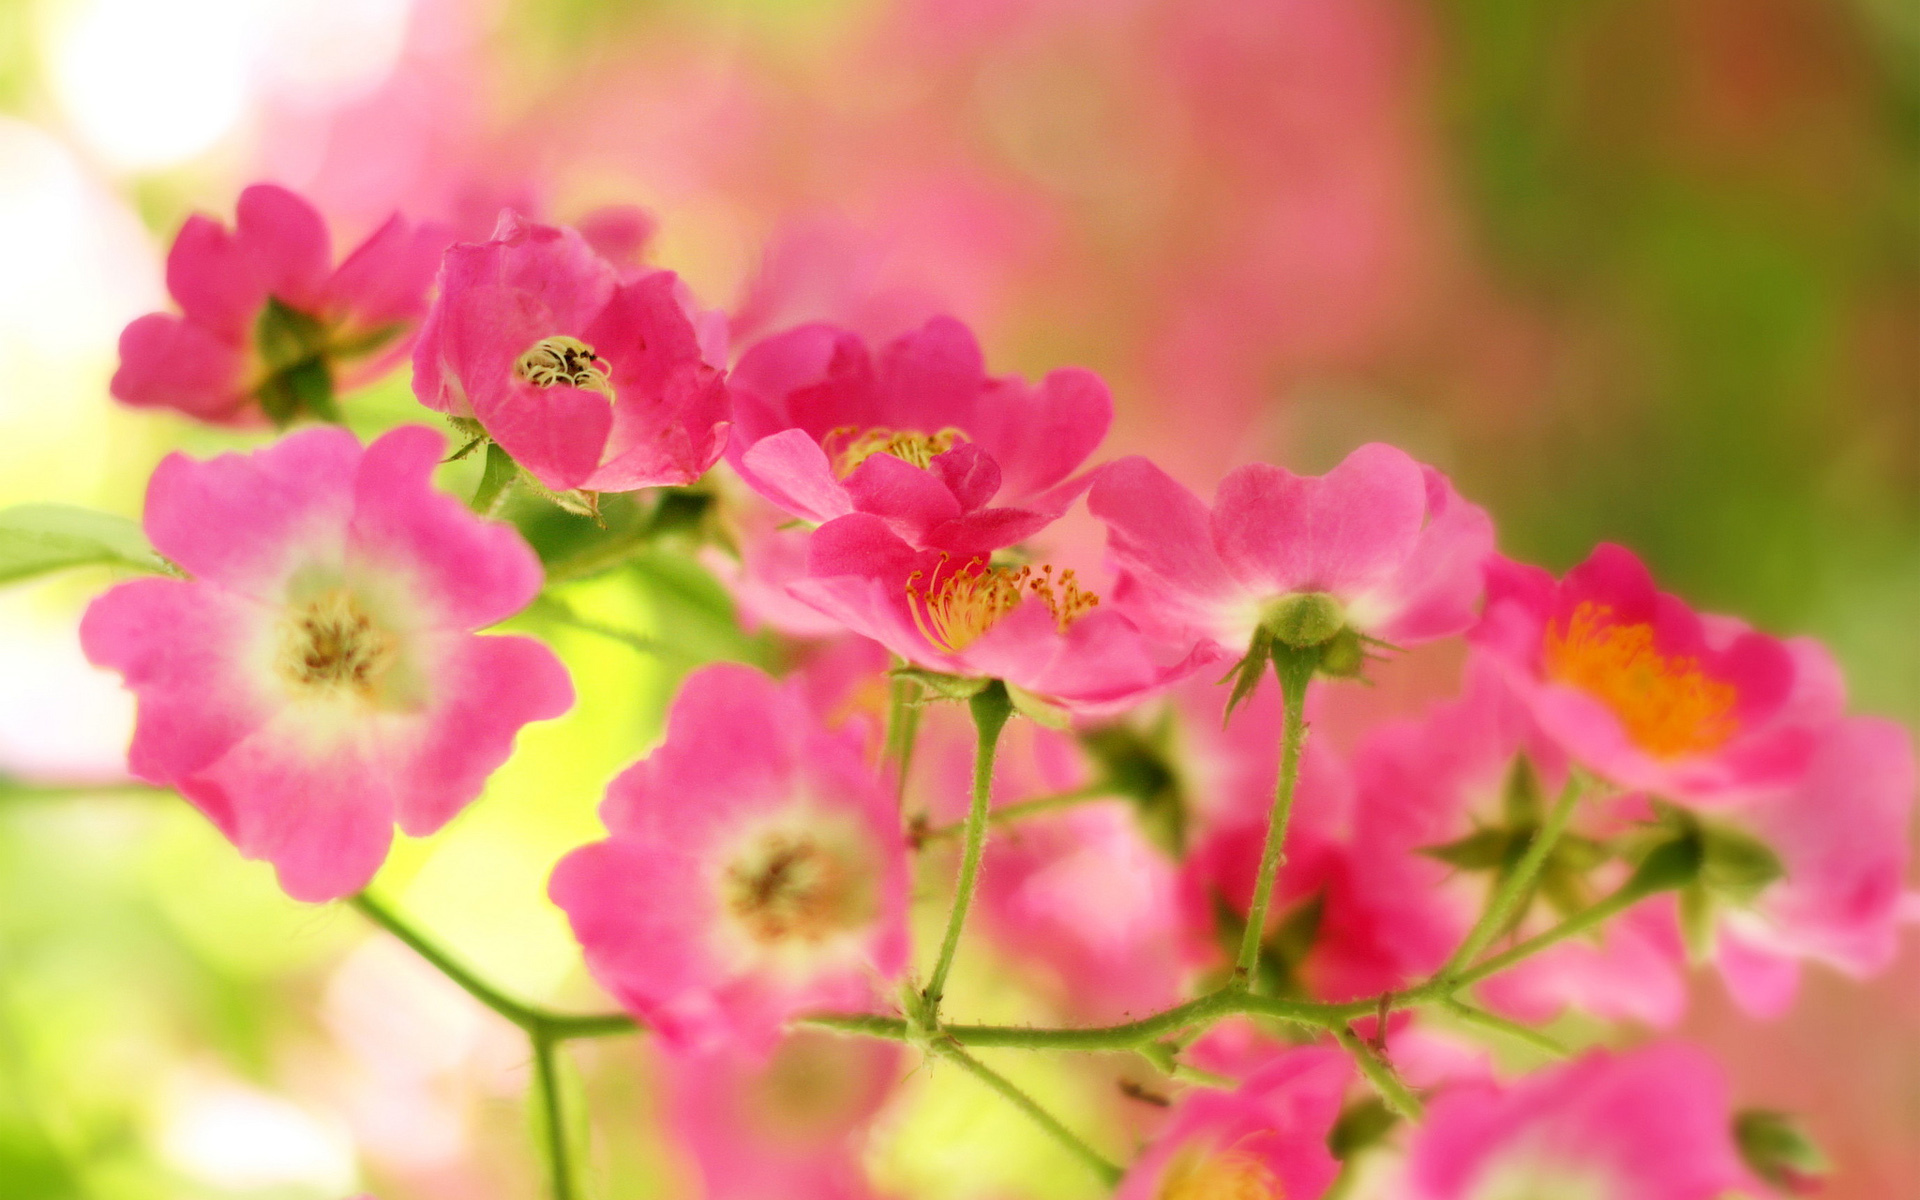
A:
x: 1736, y: 865
x: 1304, y: 620
x: 1667, y: 867
x: 1247, y: 672
x: 1362, y: 1124
x: 1522, y: 799
x: 299, y: 376
x: 1481, y: 850
x: 496, y: 476
x: 1140, y: 767
x: 942, y: 685
x: 1779, y: 1150
x: 1039, y: 709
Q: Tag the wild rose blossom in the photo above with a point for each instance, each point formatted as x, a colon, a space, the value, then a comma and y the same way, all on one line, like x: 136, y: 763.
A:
x: 1650, y: 1124
x: 1265, y: 1140
x: 266, y: 318
x: 919, y: 435
x: 1036, y: 629
x: 1380, y: 546
x: 591, y: 381
x: 316, y: 677
x: 1646, y: 692
x: 756, y: 870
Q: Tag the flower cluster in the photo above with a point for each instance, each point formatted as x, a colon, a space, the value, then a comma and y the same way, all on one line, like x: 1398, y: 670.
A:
x: 1614, y: 789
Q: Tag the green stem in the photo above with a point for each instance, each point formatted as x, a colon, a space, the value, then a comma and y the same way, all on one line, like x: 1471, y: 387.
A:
x: 903, y: 730
x: 1006, y: 814
x: 1587, y: 918
x: 562, y: 1027
x: 547, y: 1077
x: 1379, y: 1074
x: 1108, y: 1173
x: 991, y: 707
x: 1481, y: 1018
x: 1518, y: 881
x: 1294, y: 669
x: 520, y: 1014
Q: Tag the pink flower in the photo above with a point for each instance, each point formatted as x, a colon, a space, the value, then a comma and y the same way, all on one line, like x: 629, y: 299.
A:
x: 1380, y: 545
x: 755, y: 870
x: 788, y: 1125
x: 1037, y: 630
x: 316, y: 679
x: 1651, y: 1124
x: 1267, y: 1140
x: 923, y: 437
x: 1644, y: 691
x: 265, y: 315
x: 1841, y: 833
x: 590, y: 381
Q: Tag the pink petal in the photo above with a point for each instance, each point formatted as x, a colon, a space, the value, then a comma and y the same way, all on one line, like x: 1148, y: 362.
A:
x: 286, y: 240
x: 773, y: 370
x: 1437, y: 591
x: 557, y: 433
x: 670, y: 438
x: 913, y: 501
x: 214, y: 280
x: 492, y: 687
x: 1158, y: 532
x: 470, y: 573
x: 386, y: 279
x: 790, y: 469
x: 168, y: 363
x: 931, y: 378
x: 1279, y: 532
x: 244, y: 521
x: 969, y: 473
x: 1041, y: 435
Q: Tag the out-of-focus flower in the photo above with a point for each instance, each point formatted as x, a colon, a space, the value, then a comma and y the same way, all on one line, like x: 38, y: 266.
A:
x: 316, y: 679
x: 755, y: 870
x: 788, y: 1125
x: 1840, y: 834
x: 1266, y: 1140
x: 268, y: 324
x: 1646, y: 692
x: 1380, y: 546
x: 590, y: 381
x: 1037, y: 630
x: 1652, y: 1124
x: 921, y: 437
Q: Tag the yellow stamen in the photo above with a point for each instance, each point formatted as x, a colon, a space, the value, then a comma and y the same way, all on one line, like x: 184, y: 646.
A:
x: 552, y: 361
x: 849, y: 446
x: 331, y: 643
x: 1669, y: 706
x: 1197, y: 1175
x: 954, y: 608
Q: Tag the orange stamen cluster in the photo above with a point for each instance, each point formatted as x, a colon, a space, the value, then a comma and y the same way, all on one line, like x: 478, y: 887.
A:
x: 952, y: 609
x: 849, y: 446
x: 1669, y: 706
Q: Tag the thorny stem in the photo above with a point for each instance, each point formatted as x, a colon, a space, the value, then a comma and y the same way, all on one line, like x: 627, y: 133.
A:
x: 991, y: 708
x: 1379, y: 1073
x: 1109, y: 1173
x: 1294, y: 669
x: 1472, y: 1014
x: 1098, y: 790
x: 1518, y: 881
x: 1594, y: 914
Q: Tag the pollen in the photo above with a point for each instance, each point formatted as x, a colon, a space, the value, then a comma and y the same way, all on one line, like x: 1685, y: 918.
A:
x: 1230, y: 1176
x: 849, y: 446
x: 553, y: 361
x: 954, y: 608
x: 1668, y: 705
x: 788, y: 886
x: 330, y: 644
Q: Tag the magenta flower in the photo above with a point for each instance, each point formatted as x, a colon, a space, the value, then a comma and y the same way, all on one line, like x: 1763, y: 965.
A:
x: 1651, y: 1124
x: 1036, y: 629
x: 1380, y: 545
x: 1644, y: 691
x: 922, y: 437
x: 317, y: 679
x: 755, y: 870
x: 1266, y: 1140
x: 790, y: 1124
x: 268, y: 324
x: 589, y: 381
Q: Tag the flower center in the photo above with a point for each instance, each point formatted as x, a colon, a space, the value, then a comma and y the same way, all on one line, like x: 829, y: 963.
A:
x: 1229, y: 1176
x: 330, y: 643
x: 1669, y: 706
x: 954, y: 608
x: 849, y: 446
x: 788, y: 885
x: 553, y: 361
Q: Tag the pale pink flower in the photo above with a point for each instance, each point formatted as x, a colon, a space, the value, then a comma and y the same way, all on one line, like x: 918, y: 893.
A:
x: 1650, y: 1124
x: 1037, y: 630
x: 316, y: 678
x: 1384, y: 546
x: 919, y: 435
x: 1266, y: 1140
x: 1646, y: 692
x: 755, y: 871
x: 227, y: 356
x: 591, y: 381
x: 790, y: 1124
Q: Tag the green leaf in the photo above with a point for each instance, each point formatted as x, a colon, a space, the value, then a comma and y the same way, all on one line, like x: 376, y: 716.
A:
x: 1522, y: 799
x: 1481, y: 850
x: 37, y: 538
x: 1670, y: 865
x: 1778, y: 1150
x: 1737, y: 865
x: 1362, y: 1124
